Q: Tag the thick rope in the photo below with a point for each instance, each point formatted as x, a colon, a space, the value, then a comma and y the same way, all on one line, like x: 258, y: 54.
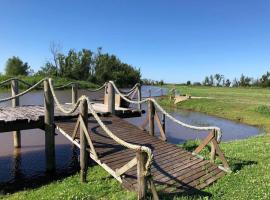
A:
x: 120, y: 141
x: 6, y: 81
x: 63, y: 86
x: 60, y: 107
x: 103, y: 126
x: 95, y: 90
x: 24, y: 92
x: 219, y: 134
x: 131, y: 90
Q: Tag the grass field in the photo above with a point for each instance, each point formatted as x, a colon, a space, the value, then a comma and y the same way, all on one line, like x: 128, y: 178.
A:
x: 245, y: 105
x: 248, y: 158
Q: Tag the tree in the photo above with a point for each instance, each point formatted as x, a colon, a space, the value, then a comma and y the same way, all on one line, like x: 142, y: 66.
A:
x: 211, y: 80
x: 235, y: 83
x: 227, y: 83
x: 206, y: 81
x: 265, y: 80
x: 219, y: 78
x: 244, y: 81
x: 188, y: 82
x: 15, y: 66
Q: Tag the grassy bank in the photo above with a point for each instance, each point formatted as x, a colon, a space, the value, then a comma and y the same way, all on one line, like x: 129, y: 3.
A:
x: 246, y: 105
x: 58, y: 81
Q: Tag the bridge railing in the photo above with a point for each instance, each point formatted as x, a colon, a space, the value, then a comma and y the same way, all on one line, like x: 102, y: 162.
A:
x: 214, y: 136
x: 143, y: 158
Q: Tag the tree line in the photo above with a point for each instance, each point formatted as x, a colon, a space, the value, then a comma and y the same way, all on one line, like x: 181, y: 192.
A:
x: 244, y: 81
x: 219, y: 80
x: 96, y: 67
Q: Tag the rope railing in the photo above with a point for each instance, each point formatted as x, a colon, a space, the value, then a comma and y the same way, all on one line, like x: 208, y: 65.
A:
x: 95, y: 90
x: 6, y: 81
x: 24, y: 92
x: 107, y: 131
x: 214, y: 128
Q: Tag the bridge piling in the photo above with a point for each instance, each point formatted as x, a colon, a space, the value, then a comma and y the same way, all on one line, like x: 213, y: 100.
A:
x: 83, y: 152
x: 111, y: 99
x: 141, y: 158
x: 15, y: 103
x: 139, y: 88
x: 74, y: 93
x: 151, y: 115
x: 49, y: 127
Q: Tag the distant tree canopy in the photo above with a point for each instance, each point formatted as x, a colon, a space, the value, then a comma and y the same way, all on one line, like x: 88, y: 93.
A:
x: 15, y: 67
x: 95, y: 67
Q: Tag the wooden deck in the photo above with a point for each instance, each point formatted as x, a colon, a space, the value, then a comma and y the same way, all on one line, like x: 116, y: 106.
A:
x: 30, y: 117
x: 174, y: 169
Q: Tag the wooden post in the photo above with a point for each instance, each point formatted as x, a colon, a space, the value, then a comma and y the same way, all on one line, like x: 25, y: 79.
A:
x: 111, y: 99
x: 141, y: 159
x: 163, y: 122
x: 83, y: 141
x: 49, y: 127
x: 151, y: 115
x: 149, y: 92
x: 74, y: 93
x: 213, y: 149
x: 15, y: 103
x: 139, y: 88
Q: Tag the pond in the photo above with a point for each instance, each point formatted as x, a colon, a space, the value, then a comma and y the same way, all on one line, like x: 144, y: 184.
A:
x: 25, y: 167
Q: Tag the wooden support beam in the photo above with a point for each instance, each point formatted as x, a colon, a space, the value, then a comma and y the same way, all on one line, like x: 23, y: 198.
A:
x: 160, y: 127
x: 139, y: 93
x: 88, y: 138
x: 213, y: 148
x: 126, y: 167
x: 83, y: 152
x: 15, y: 103
x: 49, y: 127
x: 141, y: 157
x: 209, y: 137
x: 151, y: 114
x: 111, y: 99
x: 146, y: 121
x: 74, y: 93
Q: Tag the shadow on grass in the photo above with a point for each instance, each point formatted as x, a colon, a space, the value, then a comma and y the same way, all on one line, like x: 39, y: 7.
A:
x: 235, y: 164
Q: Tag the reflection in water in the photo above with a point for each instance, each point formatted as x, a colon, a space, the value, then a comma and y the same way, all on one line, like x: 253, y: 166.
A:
x: 25, y: 167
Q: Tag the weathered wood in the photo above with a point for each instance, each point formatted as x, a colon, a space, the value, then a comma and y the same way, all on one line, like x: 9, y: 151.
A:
x: 151, y: 115
x: 160, y: 126
x: 213, y: 149
x: 203, y: 144
x: 83, y: 152
x: 49, y: 127
x: 15, y: 102
x: 111, y: 99
x: 126, y: 167
x: 139, y: 93
x: 163, y: 122
x: 141, y: 179
x: 74, y: 93
x: 171, y: 164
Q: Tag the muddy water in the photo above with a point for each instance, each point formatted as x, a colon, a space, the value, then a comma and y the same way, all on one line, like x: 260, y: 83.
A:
x: 25, y: 167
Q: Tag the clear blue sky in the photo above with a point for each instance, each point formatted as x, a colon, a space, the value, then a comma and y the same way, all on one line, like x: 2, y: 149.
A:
x: 171, y: 40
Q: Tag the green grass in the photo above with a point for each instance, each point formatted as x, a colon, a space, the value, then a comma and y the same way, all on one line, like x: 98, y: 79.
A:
x: 58, y: 81
x: 245, y: 105
x: 248, y: 158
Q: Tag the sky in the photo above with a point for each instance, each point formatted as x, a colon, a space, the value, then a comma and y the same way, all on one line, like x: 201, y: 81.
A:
x: 174, y: 41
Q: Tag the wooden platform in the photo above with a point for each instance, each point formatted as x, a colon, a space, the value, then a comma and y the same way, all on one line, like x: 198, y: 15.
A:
x: 32, y: 116
x: 174, y: 168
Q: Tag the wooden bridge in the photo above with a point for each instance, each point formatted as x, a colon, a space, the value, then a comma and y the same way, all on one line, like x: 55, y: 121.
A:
x: 137, y: 158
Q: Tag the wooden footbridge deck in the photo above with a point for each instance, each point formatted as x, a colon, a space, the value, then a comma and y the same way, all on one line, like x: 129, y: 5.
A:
x: 173, y: 167
x: 137, y: 158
